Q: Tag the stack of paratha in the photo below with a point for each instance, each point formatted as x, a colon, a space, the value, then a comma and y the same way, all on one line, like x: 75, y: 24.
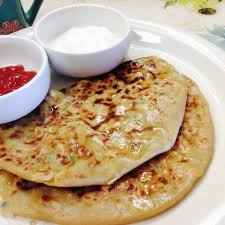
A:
x: 85, y: 156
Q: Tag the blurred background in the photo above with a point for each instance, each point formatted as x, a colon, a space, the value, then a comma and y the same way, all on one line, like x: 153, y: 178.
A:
x: 204, y: 17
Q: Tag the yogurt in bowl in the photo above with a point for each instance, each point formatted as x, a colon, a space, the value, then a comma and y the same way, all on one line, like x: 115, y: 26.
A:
x: 84, y: 40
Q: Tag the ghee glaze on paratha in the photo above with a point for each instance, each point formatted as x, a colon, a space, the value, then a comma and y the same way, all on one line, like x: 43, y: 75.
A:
x: 99, y: 129
x: 144, y: 192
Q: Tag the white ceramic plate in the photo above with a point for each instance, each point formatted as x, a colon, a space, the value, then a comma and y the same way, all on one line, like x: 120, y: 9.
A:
x: 205, y: 205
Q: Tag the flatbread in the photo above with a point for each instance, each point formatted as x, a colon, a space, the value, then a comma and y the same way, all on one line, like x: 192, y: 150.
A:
x: 144, y: 192
x: 99, y: 129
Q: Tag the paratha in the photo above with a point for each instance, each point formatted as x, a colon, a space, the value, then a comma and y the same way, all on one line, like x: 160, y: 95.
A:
x: 144, y: 192
x: 99, y: 129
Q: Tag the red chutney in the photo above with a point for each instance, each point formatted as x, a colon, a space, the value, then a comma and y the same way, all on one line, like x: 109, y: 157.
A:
x: 14, y: 77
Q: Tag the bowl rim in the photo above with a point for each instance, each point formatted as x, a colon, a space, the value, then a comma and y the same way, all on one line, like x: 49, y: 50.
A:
x: 61, y: 9
x: 44, y: 63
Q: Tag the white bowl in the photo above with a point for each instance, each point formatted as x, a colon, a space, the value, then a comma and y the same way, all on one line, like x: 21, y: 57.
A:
x: 87, y: 64
x: 14, y: 51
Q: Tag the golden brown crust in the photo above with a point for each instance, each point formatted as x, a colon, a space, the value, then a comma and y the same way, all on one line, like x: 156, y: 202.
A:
x: 98, y: 129
x: 144, y: 192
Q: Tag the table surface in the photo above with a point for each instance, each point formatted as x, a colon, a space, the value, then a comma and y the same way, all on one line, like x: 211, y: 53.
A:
x: 210, y: 27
